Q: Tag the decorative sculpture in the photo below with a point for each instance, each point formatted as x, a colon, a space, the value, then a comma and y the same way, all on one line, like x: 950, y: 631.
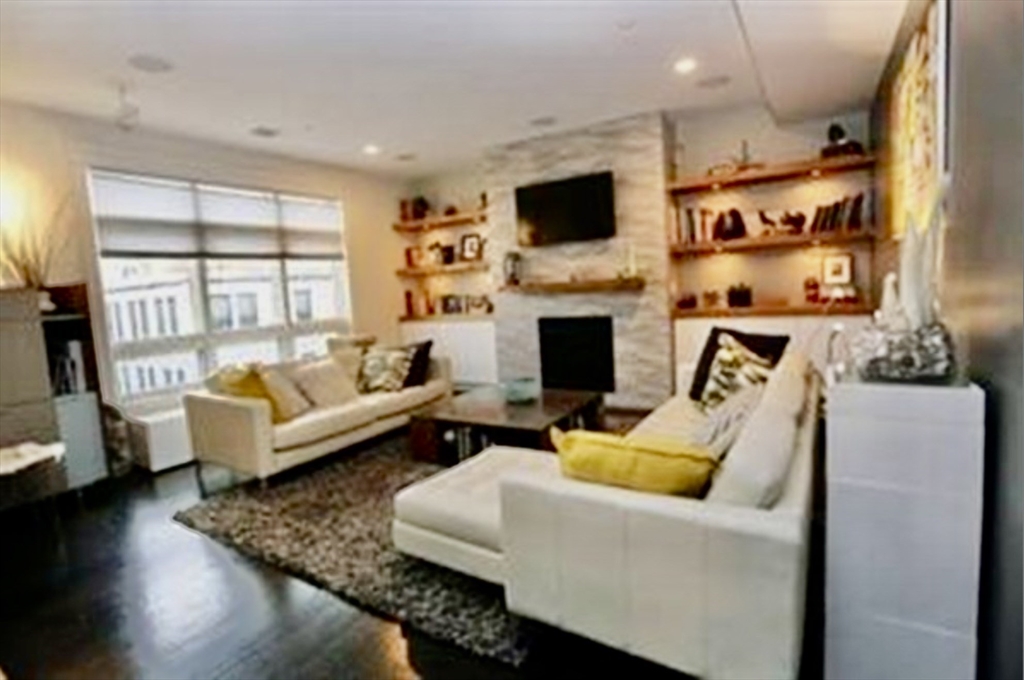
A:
x: 908, y: 342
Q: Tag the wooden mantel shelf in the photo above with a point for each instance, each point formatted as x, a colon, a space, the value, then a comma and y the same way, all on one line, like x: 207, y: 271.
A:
x: 815, y: 167
x: 616, y: 285
x: 838, y: 308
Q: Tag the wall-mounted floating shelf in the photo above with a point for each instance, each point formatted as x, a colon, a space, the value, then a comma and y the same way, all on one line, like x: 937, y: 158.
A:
x: 838, y: 308
x: 441, y: 222
x: 443, y: 269
x: 756, y: 243
x: 615, y: 285
x: 433, y: 318
x: 772, y: 173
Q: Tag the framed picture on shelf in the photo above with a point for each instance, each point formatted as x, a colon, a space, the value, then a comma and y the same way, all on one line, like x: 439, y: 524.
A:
x: 837, y: 270
x: 471, y: 247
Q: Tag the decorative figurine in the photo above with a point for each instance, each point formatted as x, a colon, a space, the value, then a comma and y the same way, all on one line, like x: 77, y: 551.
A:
x: 839, y: 144
x: 812, y: 290
x: 513, y: 268
x: 420, y: 208
x: 687, y: 301
x: 740, y: 295
x: 794, y: 220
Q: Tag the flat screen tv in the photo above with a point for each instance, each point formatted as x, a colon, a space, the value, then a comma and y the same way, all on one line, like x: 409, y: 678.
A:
x: 575, y: 209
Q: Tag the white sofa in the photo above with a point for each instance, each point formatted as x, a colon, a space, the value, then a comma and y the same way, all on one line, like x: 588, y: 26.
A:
x: 238, y: 433
x: 711, y: 589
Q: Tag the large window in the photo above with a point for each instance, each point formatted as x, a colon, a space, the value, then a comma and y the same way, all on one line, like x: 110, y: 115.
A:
x: 198, y: 276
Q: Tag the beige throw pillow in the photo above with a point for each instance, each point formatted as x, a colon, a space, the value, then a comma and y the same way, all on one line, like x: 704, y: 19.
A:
x: 349, y: 359
x: 325, y: 383
x: 288, y: 401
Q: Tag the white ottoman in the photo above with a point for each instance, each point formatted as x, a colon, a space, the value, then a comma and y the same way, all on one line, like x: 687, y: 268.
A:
x: 454, y: 517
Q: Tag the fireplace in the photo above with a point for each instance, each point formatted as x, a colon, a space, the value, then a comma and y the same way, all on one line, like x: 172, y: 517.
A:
x: 576, y: 353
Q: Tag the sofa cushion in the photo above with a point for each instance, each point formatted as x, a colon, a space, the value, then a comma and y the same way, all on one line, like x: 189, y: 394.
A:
x: 325, y: 382
x: 349, y: 359
x: 287, y: 401
x: 387, y: 404
x: 464, y: 502
x: 653, y: 464
x: 678, y: 418
x: 242, y: 380
x: 322, y: 423
x: 755, y: 471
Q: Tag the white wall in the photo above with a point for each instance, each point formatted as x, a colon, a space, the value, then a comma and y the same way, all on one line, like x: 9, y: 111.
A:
x: 44, y: 156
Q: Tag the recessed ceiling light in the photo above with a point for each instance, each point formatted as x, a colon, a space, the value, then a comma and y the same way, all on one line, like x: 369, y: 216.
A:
x: 150, y: 63
x: 544, y: 121
x: 265, y: 131
x: 371, y: 150
x: 405, y: 157
x: 714, y: 82
x: 684, y: 66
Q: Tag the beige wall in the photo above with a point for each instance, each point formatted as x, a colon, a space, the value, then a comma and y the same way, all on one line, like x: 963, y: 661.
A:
x: 44, y: 157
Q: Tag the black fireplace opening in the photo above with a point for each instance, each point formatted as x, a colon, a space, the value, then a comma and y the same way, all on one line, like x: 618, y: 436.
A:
x: 576, y: 353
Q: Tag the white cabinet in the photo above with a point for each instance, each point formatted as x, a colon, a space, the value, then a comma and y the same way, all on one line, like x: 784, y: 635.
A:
x: 78, y: 418
x: 904, y: 480
x: 469, y: 344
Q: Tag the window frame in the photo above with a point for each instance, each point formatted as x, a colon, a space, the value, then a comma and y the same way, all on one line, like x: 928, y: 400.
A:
x: 141, y: 344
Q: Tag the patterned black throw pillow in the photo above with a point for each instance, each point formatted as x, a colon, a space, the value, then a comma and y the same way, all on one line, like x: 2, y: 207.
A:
x: 384, y: 369
x: 769, y: 347
x: 420, y: 364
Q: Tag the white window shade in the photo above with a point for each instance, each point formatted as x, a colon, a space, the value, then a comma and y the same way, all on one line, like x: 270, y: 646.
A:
x: 201, y: 220
x: 310, y: 214
x: 235, y: 207
x: 125, y: 197
x: 127, y: 236
x: 312, y: 243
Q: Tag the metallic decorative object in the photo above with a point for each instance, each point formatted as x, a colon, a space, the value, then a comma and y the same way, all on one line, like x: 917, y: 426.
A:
x: 908, y: 342
x: 924, y: 355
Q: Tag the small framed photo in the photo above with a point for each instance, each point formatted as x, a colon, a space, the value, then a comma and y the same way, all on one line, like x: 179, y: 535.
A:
x: 837, y: 270
x: 471, y: 247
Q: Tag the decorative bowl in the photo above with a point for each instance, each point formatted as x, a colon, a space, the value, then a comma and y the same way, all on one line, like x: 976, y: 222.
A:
x: 521, y: 390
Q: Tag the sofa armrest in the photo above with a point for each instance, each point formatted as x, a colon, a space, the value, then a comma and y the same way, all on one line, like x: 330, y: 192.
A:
x: 713, y: 590
x: 235, y: 432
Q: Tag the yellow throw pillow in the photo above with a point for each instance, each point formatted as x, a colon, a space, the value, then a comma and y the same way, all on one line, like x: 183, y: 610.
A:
x: 654, y: 464
x: 242, y: 380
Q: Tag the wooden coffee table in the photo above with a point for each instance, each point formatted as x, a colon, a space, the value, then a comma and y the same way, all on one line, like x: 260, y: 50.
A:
x: 467, y: 424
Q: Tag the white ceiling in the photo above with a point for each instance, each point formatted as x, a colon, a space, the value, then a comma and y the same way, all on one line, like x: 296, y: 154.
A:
x: 442, y: 80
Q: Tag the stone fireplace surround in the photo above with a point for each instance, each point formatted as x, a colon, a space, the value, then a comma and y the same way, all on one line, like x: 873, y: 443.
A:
x: 634, y: 149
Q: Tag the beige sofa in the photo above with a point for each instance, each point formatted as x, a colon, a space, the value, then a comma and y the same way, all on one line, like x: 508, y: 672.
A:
x: 238, y: 433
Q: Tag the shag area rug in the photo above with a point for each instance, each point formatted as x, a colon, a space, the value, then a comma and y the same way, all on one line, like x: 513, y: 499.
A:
x: 332, y: 527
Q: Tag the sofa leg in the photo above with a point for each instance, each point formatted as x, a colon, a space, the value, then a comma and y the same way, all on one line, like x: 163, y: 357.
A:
x: 264, y: 484
x: 199, y: 479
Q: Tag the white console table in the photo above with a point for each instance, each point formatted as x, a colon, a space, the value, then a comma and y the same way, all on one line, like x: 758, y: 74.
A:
x: 903, y: 537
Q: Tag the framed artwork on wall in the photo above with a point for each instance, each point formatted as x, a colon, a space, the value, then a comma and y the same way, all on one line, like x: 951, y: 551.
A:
x: 837, y: 270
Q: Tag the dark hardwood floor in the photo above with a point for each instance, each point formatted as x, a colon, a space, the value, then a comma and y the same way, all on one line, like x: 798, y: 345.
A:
x: 109, y: 586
